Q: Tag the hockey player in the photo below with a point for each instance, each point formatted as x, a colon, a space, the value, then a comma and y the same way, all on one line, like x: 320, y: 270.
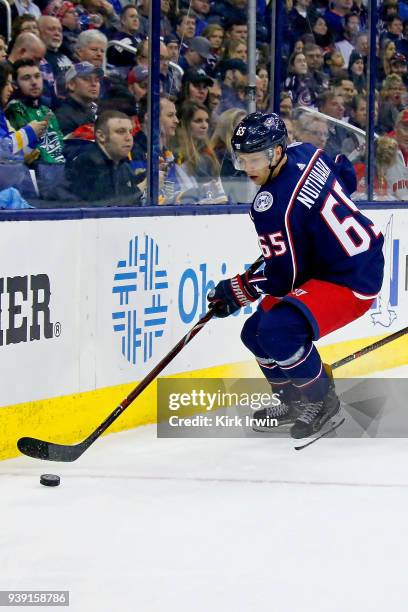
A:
x: 323, y: 266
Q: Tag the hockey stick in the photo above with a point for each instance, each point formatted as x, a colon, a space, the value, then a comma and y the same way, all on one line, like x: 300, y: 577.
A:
x: 40, y: 449
x: 369, y: 348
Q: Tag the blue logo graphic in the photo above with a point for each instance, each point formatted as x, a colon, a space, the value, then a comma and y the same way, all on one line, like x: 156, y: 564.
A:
x: 140, y: 286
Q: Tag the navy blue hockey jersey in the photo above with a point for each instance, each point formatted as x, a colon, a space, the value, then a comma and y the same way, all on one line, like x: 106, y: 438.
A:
x: 308, y: 227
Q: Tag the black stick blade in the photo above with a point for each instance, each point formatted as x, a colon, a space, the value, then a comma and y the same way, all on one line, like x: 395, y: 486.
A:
x: 38, y: 449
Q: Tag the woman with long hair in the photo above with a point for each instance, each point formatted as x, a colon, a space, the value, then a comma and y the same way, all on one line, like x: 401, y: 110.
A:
x: 357, y: 72
x: 299, y: 82
x: 388, y: 50
x: 199, y: 168
x: 214, y: 33
x: 236, y: 49
x: 235, y: 183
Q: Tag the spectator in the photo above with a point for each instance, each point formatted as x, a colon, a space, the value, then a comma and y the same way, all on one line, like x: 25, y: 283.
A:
x: 393, y: 28
x: 83, y: 85
x: 14, y: 144
x: 173, y: 47
x: 233, y: 75
x: 236, y: 49
x: 129, y: 33
x: 199, y: 168
x: 26, y: 106
x: 299, y: 82
x: 51, y: 35
x: 168, y: 176
x: 356, y: 72
x: 362, y: 45
x: 91, y: 47
x: 332, y: 105
x: 312, y: 128
x: 347, y: 44
x: 142, y: 54
x: 392, y: 102
x: 354, y: 144
x: 101, y: 14
x: 143, y: 11
x: 69, y: 19
x: 290, y: 128
x: 27, y: 46
x: 397, y: 172
x: 166, y: 11
x: 386, y: 155
x: 335, y: 66
x: 236, y: 29
x: 300, y: 18
x: 24, y: 23
x: 3, y: 49
x: 102, y: 174
x: 185, y: 28
x: 322, y: 35
x: 286, y: 105
x: 197, y: 53
x: 398, y: 65
x: 201, y: 9
x: 195, y: 86
x: 27, y: 6
x: 214, y: 33
x: 335, y: 17
x: 346, y: 89
x: 314, y: 59
x: 388, y: 51
x: 235, y: 182
x: 214, y: 97
x: 138, y: 80
x: 262, y: 73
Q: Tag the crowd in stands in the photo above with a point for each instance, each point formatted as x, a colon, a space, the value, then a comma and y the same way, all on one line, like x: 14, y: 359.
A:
x: 74, y: 85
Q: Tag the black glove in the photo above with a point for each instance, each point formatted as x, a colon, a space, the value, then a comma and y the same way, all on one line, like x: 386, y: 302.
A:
x: 231, y: 294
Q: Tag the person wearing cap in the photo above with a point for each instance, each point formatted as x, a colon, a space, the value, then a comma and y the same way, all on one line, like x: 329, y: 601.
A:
x: 69, y: 19
x: 102, y: 174
x: 398, y: 65
x: 82, y: 82
x: 356, y: 70
x: 233, y: 76
x: 396, y: 174
x: 197, y: 53
x: 130, y: 34
x: 137, y: 81
x: 195, y: 86
x: 173, y: 47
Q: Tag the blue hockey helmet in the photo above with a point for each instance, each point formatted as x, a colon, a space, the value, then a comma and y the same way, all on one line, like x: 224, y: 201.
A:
x: 259, y: 132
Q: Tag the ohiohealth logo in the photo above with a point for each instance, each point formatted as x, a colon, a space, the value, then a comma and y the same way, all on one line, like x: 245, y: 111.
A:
x: 139, y: 286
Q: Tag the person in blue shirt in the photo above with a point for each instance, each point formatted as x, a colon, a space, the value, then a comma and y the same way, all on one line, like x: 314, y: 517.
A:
x: 323, y: 266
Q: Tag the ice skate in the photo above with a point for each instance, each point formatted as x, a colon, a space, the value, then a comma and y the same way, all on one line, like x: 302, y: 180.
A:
x: 283, y: 414
x: 315, y: 415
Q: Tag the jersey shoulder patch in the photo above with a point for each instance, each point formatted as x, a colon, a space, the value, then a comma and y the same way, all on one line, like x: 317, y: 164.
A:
x: 263, y: 201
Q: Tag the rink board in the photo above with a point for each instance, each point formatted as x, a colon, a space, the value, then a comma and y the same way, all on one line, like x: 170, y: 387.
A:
x: 88, y: 307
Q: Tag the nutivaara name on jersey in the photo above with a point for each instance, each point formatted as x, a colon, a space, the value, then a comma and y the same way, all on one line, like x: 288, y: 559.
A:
x: 314, y: 183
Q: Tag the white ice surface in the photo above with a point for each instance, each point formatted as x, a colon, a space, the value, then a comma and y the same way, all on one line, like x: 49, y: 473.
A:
x: 148, y: 525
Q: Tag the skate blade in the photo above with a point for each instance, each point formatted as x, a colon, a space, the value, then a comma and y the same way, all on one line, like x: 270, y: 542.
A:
x: 328, y: 428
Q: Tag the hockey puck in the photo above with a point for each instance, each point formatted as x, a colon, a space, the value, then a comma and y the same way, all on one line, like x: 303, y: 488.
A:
x: 50, y: 480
